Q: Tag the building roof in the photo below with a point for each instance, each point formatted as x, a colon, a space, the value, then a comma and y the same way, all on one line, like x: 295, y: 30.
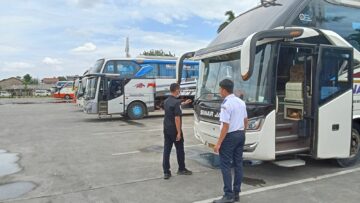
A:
x: 50, y: 80
x: 12, y: 78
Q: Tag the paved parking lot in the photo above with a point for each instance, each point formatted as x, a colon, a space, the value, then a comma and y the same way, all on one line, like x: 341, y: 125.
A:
x: 67, y: 156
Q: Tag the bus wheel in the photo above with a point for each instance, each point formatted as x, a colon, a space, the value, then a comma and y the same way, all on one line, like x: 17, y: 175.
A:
x: 136, y: 110
x: 354, y: 148
x: 67, y: 97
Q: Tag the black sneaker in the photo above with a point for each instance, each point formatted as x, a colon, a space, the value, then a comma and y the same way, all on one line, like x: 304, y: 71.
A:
x: 167, y: 176
x: 237, y: 198
x: 224, y: 199
x: 184, y: 172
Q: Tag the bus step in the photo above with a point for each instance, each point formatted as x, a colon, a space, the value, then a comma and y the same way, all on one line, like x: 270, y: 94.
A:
x: 286, y: 138
x: 290, y: 163
x: 284, y: 126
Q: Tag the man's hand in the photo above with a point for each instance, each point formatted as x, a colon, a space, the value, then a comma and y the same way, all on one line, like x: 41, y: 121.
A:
x: 188, y: 101
x: 217, y: 148
x: 178, y: 137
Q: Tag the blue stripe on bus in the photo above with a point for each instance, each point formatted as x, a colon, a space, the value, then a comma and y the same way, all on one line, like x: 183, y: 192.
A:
x: 164, y: 62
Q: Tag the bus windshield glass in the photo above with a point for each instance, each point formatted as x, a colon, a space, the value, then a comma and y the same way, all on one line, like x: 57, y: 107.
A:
x: 255, y: 90
x: 97, y: 67
x: 90, y: 90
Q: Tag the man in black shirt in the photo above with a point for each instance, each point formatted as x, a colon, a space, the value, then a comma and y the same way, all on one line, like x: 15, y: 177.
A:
x: 173, y: 133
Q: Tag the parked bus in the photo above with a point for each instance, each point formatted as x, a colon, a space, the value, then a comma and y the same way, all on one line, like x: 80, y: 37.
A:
x: 296, y: 65
x: 135, y: 87
x: 64, y: 91
x: 79, y: 87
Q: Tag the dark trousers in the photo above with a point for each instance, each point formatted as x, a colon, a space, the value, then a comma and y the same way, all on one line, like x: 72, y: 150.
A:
x: 231, y: 150
x: 169, y: 140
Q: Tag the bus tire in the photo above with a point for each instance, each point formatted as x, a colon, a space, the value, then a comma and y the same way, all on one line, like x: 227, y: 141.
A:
x: 136, y: 110
x: 355, y: 149
x: 67, y: 97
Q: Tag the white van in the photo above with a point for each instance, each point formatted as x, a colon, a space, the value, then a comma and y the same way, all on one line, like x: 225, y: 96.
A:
x: 5, y: 94
x: 42, y: 93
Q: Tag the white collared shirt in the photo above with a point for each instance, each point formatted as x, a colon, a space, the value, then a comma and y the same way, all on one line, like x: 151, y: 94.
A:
x: 233, y: 111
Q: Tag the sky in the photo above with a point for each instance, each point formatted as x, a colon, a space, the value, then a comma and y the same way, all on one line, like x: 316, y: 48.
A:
x: 65, y: 37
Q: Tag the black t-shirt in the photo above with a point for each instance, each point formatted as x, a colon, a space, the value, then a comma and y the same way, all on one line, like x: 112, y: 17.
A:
x: 172, y: 107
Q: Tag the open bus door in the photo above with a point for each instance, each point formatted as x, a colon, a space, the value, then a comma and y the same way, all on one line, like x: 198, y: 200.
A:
x: 115, y: 95
x: 333, y: 100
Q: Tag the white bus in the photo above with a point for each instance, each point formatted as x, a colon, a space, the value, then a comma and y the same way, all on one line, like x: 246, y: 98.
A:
x: 135, y: 87
x: 296, y: 65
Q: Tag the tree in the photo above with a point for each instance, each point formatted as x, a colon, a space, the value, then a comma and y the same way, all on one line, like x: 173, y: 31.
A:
x: 61, y: 78
x: 160, y: 52
x: 34, y: 81
x: 230, y: 17
x: 27, y: 79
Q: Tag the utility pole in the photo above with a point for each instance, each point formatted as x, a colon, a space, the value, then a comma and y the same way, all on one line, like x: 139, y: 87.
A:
x: 127, y: 48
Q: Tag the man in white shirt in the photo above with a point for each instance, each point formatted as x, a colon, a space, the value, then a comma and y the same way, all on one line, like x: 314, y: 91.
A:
x: 233, y: 118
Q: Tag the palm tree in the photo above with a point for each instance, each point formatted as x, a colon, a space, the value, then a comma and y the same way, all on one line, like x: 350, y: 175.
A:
x: 230, y: 17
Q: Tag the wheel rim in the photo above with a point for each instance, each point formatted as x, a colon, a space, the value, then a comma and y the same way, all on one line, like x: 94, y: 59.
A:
x: 137, y: 111
x: 355, y: 146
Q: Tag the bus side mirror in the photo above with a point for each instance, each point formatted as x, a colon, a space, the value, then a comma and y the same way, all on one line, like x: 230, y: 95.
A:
x: 248, y: 49
x: 180, y: 65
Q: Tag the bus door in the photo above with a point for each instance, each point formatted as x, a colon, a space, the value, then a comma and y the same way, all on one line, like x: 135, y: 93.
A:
x: 294, y: 117
x: 333, y: 102
x: 116, y: 99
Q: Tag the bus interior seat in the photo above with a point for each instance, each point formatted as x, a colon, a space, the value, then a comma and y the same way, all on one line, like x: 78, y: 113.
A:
x: 293, y: 108
x: 294, y: 87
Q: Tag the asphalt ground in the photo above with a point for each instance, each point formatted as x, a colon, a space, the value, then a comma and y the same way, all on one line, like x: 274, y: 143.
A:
x: 69, y: 156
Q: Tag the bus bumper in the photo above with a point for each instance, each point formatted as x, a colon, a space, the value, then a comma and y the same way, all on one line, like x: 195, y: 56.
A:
x: 259, y: 145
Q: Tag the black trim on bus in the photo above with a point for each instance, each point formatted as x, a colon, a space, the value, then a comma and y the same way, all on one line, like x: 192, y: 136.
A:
x: 213, y: 109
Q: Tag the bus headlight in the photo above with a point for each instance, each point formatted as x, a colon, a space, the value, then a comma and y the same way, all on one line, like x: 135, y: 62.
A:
x: 255, y: 124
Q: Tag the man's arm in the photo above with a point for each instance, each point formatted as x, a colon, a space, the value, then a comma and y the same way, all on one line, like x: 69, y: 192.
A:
x: 178, y: 128
x: 246, y: 123
x: 223, y: 133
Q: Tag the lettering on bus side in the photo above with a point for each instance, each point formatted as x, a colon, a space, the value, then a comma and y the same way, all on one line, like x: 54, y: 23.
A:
x: 356, y: 89
x: 209, y: 114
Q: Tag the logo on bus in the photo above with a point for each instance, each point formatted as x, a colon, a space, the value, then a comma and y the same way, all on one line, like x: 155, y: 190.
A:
x: 151, y: 85
x: 140, y: 85
x: 305, y: 17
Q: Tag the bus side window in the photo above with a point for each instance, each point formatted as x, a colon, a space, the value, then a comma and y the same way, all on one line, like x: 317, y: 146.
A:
x: 110, y: 67
x: 126, y: 68
x: 167, y: 71
x: 153, y: 73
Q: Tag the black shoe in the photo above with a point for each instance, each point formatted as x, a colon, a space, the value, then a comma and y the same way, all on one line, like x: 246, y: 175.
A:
x: 224, y: 199
x: 237, y: 198
x: 184, y: 172
x: 167, y: 176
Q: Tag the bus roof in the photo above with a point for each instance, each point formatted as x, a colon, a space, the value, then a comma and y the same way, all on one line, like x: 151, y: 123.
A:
x: 268, y: 15
x: 263, y: 17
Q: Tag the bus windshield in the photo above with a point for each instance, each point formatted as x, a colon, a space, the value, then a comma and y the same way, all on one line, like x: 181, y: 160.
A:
x: 255, y: 90
x: 97, y: 66
x: 90, y: 90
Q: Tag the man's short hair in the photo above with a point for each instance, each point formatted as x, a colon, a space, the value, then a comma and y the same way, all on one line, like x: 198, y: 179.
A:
x: 174, y: 87
x: 227, y: 85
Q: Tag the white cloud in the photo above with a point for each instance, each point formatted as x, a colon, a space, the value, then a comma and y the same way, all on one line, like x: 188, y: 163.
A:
x: 166, y: 12
x: 15, y: 66
x: 87, y: 47
x: 51, y: 61
x: 85, y: 3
